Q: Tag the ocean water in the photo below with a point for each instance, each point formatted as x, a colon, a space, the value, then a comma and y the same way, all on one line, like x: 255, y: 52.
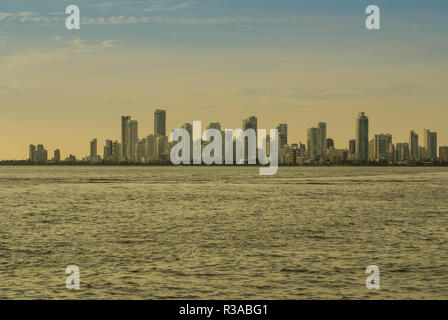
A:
x: 223, y: 232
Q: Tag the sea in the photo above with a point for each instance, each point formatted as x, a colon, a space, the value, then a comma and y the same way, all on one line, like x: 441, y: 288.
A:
x: 168, y: 232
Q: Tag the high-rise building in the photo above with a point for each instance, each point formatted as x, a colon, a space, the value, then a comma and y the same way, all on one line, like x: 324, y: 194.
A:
x: 117, y: 152
x: 93, y: 148
x: 151, y: 148
x: 322, y: 141
x: 430, y: 144
x: 302, y: 150
x: 372, y: 150
x: 362, y: 137
x: 443, y: 154
x: 352, y: 146
x: 160, y: 122
x: 282, y: 134
x: 390, y: 149
x: 402, y: 152
x: 313, y: 143
x: 421, y: 153
x: 380, y: 147
x: 141, y: 151
x: 317, y: 142
x: 108, y: 151
x: 413, y: 144
x: 125, y: 136
x: 433, y: 139
x: 57, y: 155
x: 162, y: 148
x: 31, y: 151
x: 330, y: 143
x: 40, y: 154
x: 250, y: 123
x: 132, y: 152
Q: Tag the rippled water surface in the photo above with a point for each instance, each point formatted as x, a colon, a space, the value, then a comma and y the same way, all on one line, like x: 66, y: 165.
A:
x: 223, y: 232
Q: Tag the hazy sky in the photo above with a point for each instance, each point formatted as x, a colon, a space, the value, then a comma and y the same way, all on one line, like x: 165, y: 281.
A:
x: 297, y: 62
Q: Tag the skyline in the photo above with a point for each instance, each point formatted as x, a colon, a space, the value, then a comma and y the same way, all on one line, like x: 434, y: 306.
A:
x: 134, y: 146
x: 206, y: 60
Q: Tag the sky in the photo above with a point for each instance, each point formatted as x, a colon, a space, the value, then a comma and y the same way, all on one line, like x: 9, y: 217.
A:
x: 297, y: 62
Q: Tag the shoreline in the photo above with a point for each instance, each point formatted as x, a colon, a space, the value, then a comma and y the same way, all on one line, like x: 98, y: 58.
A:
x: 6, y: 163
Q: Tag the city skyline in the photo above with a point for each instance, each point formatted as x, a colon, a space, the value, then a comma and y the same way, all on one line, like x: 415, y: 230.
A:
x: 156, y: 146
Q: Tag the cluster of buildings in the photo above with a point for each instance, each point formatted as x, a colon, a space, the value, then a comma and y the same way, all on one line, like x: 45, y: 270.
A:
x: 40, y: 155
x: 318, y: 149
x: 131, y: 149
x: 380, y: 148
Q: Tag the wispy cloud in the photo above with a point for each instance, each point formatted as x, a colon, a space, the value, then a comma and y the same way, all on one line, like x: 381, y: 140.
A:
x: 84, y: 45
x: 110, y: 4
x: 186, y: 21
x: 109, y: 44
x: 164, y: 5
x: 7, y: 16
x: 80, y: 44
x: 27, y: 16
x: 33, y: 17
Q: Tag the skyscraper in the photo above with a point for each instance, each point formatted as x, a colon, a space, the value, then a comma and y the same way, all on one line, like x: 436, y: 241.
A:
x: 402, y: 152
x: 108, y: 151
x: 282, y: 134
x: 352, y: 146
x: 40, y: 154
x: 362, y: 137
x: 57, y: 155
x: 132, y: 151
x: 380, y: 147
x: 322, y: 141
x: 443, y: 154
x: 124, y: 136
x: 162, y: 148
x: 160, y: 122
x: 31, y: 151
x: 117, y: 152
x: 151, y: 149
x: 390, y: 148
x: 93, y: 148
x: 312, y: 143
x: 372, y: 150
x: 141, y: 151
x: 413, y: 144
x: 430, y: 144
x: 250, y: 123
x: 433, y: 139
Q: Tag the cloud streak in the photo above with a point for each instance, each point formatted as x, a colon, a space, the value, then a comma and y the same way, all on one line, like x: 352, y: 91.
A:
x: 33, y: 17
x: 27, y: 16
x: 184, y: 21
x: 164, y: 5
